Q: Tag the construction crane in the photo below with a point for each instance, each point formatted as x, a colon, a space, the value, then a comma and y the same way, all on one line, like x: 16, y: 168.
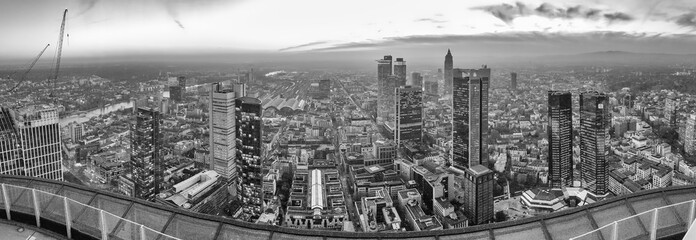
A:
x: 23, y: 77
x: 54, y: 76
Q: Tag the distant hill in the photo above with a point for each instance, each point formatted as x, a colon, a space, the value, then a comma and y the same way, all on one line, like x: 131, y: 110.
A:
x: 619, y: 57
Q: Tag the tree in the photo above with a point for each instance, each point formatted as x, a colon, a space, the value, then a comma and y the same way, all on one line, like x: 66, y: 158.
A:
x: 500, y: 216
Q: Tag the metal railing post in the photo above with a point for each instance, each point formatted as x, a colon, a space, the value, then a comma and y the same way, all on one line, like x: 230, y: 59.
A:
x: 37, y: 207
x: 102, y: 223
x: 68, y: 221
x: 6, y: 199
x: 615, y: 233
x: 653, y: 227
x: 142, y: 233
x: 691, y: 214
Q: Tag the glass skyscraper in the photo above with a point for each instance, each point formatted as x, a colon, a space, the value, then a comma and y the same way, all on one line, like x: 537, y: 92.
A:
x: 560, y: 137
x: 386, y: 87
x: 409, y: 115
x: 146, y: 149
x: 249, y: 165
x: 594, y: 141
x: 470, y: 116
x: 222, y: 134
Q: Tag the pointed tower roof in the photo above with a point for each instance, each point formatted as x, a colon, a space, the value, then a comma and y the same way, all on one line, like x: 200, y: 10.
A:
x: 448, y: 52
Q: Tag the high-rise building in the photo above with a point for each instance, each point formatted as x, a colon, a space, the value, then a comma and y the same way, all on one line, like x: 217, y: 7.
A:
x: 249, y: 164
x: 76, y: 131
x: 594, y: 141
x: 670, y: 111
x: 690, y: 135
x: 146, y: 149
x: 409, y: 115
x: 30, y: 142
x: 240, y: 90
x: 222, y: 131
x: 446, y: 86
x: 560, y: 137
x: 513, y: 81
x: 164, y: 106
x: 386, y: 88
x: 416, y: 80
x: 470, y: 116
x: 400, y: 72
x: 478, y: 184
x: 176, y: 92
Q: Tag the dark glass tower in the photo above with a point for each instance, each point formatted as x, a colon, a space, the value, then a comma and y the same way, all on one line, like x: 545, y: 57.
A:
x: 409, y: 115
x: 470, y: 117
x: 513, y: 81
x: 446, y: 86
x: 560, y: 136
x: 478, y: 194
x: 594, y: 141
x: 249, y: 164
x: 146, y: 159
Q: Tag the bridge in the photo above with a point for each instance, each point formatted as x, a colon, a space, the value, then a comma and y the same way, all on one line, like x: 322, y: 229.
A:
x: 69, y: 211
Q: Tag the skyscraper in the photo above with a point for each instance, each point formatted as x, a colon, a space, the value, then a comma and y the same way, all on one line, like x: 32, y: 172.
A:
x: 690, y: 135
x: 470, y: 116
x: 446, y: 86
x: 222, y: 134
x: 176, y: 92
x: 416, y: 80
x: 386, y: 88
x: 30, y: 142
x: 594, y: 141
x: 409, y: 115
x: 240, y: 90
x: 400, y: 72
x: 670, y: 111
x: 513, y: 80
x: 478, y: 194
x: 76, y: 131
x: 560, y: 137
x: 146, y: 149
x: 249, y: 165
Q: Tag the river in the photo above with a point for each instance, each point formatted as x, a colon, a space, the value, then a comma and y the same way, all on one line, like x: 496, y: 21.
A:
x: 85, y: 116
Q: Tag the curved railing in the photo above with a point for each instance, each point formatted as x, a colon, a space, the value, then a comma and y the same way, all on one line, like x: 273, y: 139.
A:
x: 80, y: 212
x: 653, y: 221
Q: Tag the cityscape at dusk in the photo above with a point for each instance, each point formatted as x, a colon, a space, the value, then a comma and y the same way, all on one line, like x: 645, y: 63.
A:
x: 240, y: 119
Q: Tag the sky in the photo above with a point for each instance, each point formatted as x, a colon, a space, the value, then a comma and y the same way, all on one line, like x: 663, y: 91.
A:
x: 309, y: 28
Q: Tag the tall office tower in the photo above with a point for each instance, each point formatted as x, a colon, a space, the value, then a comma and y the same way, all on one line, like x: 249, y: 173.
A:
x: 76, y: 131
x: 325, y: 86
x: 560, y: 137
x: 513, y: 81
x: 478, y: 185
x: 409, y: 115
x: 248, y: 124
x: 670, y: 111
x: 222, y: 134
x: 386, y: 88
x: 31, y: 142
x: 400, y: 72
x: 594, y: 141
x: 446, y: 86
x: 416, y: 80
x: 470, y: 117
x: 164, y: 106
x: 690, y: 135
x: 146, y: 149
x: 240, y: 90
x: 175, y: 93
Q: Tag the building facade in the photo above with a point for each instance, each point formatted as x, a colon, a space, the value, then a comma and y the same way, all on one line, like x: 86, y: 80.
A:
x: 594, y: 141
x: 690, y: 135
x: 386, y: 87
x: 513, y: 81
x: 445, y: 86
x: 470, y: 116
x: 560, y: 137
x: 409, y: 115
x: 248, y: 136
x: 478, y: 194
x: 30, y: 143
x: 146, y: 160
x: 222, y: 131
x: 400, y: 72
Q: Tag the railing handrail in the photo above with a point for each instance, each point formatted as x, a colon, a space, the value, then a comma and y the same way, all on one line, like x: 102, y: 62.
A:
x: 101, y: 211
x: 654, y: 211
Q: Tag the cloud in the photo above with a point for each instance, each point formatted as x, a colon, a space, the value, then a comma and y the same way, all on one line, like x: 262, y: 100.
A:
x: 507, y: 13
x: 302, y: 46
x: 687, y: 20
x: 618, y: 16
x: 430, y: 20
x: 85, y: 6
x: 508, y: 38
